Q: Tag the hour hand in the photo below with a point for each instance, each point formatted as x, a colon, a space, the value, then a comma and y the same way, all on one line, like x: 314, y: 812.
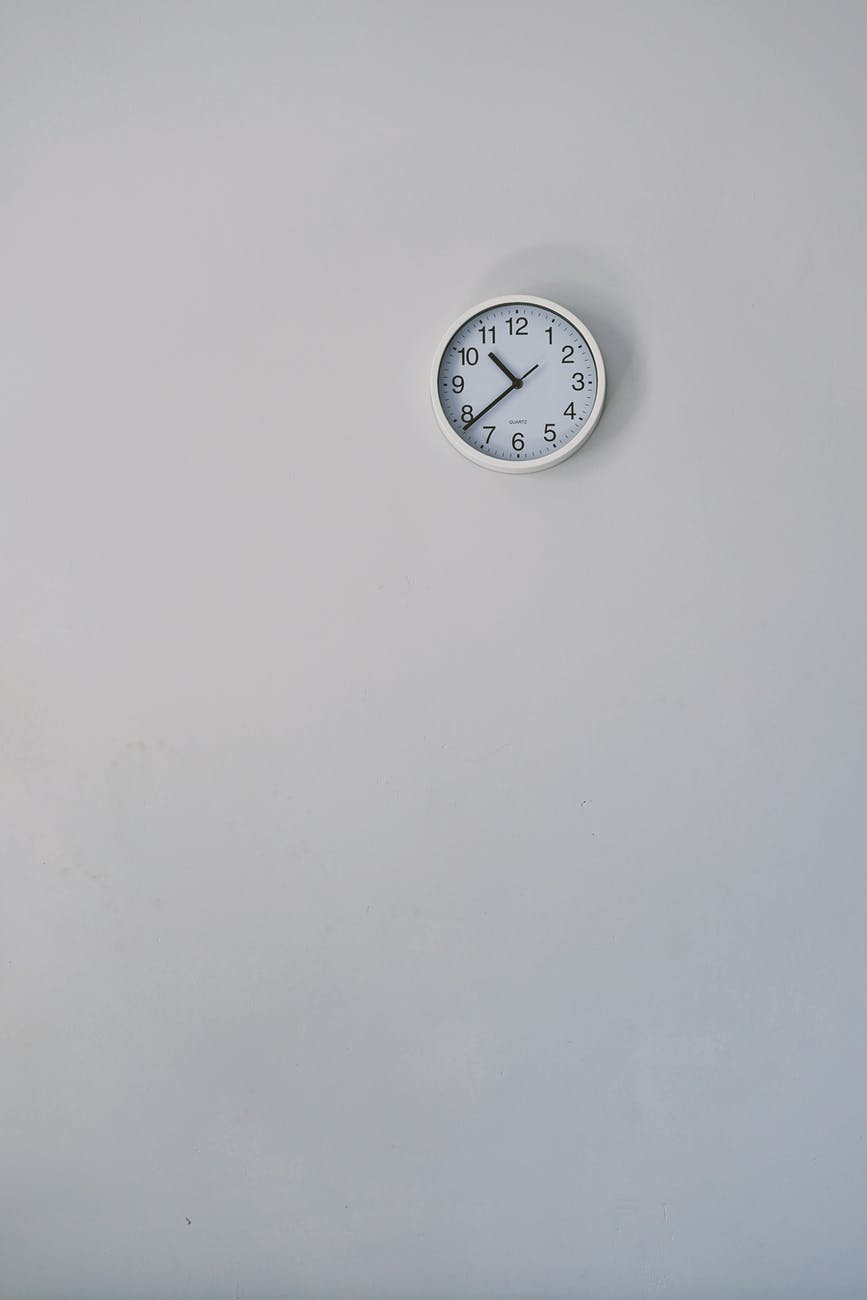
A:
x: 506, y: 371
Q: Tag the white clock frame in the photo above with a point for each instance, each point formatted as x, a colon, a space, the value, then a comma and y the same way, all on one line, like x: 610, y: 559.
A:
x: 519, y: 466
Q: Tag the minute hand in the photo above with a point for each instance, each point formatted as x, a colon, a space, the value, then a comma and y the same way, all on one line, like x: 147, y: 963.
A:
x: 490, y: 405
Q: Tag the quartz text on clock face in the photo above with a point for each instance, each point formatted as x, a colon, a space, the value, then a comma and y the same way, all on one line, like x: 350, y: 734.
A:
x: 517, y: 382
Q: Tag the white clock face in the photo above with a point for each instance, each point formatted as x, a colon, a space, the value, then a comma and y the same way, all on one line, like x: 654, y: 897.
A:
x: 518, y: 384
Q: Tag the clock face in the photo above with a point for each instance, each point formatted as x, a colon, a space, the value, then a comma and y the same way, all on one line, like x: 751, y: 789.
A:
x: 518, y: 384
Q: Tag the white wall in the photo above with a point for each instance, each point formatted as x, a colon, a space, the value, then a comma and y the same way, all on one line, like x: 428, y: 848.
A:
x: 420, y: 882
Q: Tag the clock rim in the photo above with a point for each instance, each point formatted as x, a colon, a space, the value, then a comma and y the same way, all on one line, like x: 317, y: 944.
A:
x: 518, y: 466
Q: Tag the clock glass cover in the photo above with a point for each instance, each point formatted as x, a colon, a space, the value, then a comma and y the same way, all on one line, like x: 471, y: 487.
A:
x: 518, y: 384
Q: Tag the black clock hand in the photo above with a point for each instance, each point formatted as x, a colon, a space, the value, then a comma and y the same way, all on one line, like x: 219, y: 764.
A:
x: 516, y: 382
x: 490, y: 405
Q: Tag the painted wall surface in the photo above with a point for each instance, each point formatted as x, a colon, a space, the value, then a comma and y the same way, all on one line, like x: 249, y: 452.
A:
x: 418, y: 882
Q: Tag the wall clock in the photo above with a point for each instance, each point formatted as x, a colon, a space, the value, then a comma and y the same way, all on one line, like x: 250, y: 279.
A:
x: 518, y: 384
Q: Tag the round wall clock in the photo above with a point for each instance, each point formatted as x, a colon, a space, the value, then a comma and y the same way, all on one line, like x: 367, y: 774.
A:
x: 518, y: 384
